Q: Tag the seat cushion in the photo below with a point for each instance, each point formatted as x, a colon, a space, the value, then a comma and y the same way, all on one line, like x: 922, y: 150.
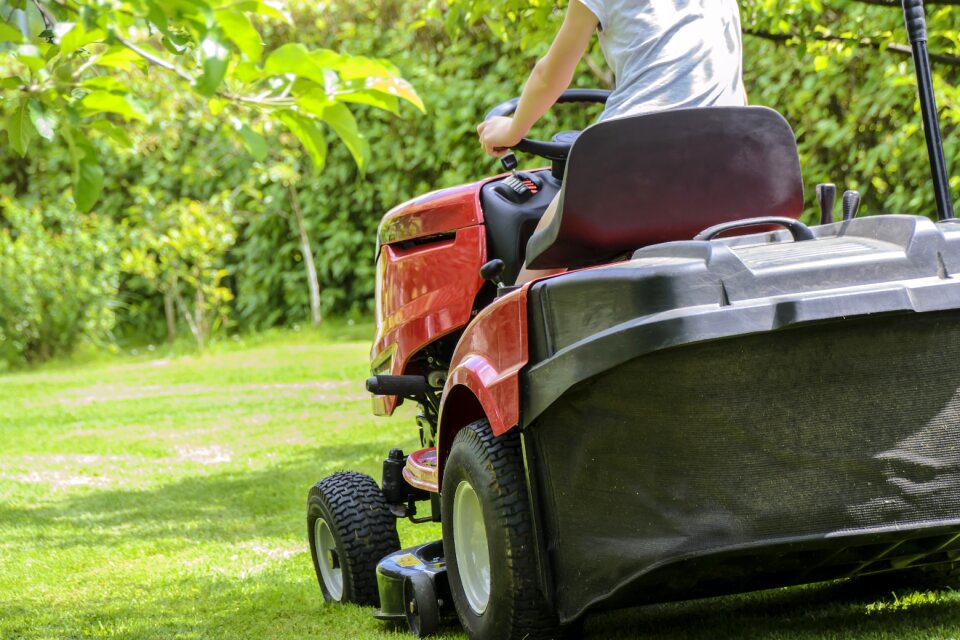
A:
x: 632, y: 182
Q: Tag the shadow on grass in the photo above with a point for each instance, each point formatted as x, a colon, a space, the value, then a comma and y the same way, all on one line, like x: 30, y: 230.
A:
x: 227, y: 506
x: 282, y: 600
x: 910, y: 604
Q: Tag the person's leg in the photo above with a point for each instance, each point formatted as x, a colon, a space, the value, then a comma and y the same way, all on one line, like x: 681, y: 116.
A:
x: 526, y: 275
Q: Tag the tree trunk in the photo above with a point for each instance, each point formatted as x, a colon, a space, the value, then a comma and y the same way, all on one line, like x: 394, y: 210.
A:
x: 171, y: 314
x: 314, y: 286
x: 195, y: 328
x: 200, y: 311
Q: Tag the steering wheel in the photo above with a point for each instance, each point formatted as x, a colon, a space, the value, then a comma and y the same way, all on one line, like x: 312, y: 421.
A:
x: 556, y: 150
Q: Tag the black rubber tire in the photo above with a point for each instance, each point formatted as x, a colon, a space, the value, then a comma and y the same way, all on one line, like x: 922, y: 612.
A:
x: 493, y: 466
x: 422, y: 606
x: 364, y: 531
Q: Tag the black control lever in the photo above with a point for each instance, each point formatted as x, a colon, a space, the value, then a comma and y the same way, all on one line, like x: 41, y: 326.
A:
x: 826, y: 197
x: 509, y: 162
x: 851, y: 204
x: 493, y: 271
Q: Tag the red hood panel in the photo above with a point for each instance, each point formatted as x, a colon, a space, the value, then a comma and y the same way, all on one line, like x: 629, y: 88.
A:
x: 433, y: 214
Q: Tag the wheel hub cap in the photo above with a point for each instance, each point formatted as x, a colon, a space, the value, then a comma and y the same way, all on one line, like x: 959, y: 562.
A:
x: 470, y: 542
x: 328, y: 559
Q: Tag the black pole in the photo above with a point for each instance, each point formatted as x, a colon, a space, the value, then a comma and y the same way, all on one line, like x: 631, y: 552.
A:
x: 913, y: 14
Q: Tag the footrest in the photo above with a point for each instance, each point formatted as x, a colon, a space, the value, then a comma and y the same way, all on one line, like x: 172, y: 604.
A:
x: 421, y: 470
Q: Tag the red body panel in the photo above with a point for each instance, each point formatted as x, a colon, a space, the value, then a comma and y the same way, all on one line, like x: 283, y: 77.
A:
x: 487, y: 363
x: 432, y: 214
x: 426, y: 290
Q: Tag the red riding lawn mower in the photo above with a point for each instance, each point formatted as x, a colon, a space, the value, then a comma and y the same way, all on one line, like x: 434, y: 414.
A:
x: 686, y: 411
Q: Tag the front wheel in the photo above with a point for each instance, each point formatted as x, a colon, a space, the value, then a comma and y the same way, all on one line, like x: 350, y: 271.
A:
x: 488, y: 539
x: 350, y: 529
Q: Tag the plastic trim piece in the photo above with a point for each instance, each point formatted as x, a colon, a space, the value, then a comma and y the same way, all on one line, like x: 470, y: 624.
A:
x: 706, y: 291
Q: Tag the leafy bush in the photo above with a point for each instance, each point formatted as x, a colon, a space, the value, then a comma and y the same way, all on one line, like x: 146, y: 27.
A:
x: 58, y: 280
x: 839, y: 74
x: 178, y: 252
x: 459, y: 78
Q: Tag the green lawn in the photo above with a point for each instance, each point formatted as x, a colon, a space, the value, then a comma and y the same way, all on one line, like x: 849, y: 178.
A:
x: 146, y: 497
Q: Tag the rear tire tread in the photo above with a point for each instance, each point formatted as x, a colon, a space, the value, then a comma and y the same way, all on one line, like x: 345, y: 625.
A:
x: 364, y: 529
x: 533, y: 617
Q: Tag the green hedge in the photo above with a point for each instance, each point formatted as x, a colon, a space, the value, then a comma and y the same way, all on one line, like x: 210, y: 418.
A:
x: 852, y: 106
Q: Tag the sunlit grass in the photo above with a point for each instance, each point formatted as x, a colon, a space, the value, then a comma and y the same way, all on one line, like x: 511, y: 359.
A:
x: 148, y: 496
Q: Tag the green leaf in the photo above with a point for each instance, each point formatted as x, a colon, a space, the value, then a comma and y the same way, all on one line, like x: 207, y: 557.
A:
x: 238, y: 28
x: 158, y: 19
x: 216, y: 106
x: 309, y: 135
x: 104, y: 101
x: 11, y: 82
x: 78, y: 37
x: 216, y: 59
x: 87, y: 173
x: 295, y: 59
x: 112, y: 131
x: 341, y: 120
x: 9, y: 33
x: 120, y: 58
x: 42, y: 119
x: 376, y: 99
x: 395, y: 87
x: 88, y: 180
x: 328, y: 59
x: 352, y: 67
x: 20, y: 128
x: 30, y: 56
x: 107, y: 83
x: 196, y: 10
x: 314, y: 101
x: 254, y: 143
x: 265, y: 8
x: 246, y: 72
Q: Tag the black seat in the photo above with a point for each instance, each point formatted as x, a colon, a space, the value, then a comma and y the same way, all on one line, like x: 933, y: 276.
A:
x: 664, y: 176
x: 509, y: 225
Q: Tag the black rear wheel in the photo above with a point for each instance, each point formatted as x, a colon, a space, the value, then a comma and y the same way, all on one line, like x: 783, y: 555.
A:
x: 488, y: 539
x: 350, y: 528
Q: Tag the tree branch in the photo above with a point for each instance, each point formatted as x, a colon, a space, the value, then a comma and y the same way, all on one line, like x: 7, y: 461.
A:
x: 281, y: 101
x: 155, y: 60
x: 901, y: 49
x: 49, y: 21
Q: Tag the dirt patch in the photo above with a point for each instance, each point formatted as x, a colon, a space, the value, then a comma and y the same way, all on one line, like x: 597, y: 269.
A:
x: 117, y: 392
x: 59, y: 479
x: 203, y: 455
x: 265, y: 557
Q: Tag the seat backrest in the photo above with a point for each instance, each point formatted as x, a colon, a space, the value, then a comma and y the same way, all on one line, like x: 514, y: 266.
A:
x: 631, y: 182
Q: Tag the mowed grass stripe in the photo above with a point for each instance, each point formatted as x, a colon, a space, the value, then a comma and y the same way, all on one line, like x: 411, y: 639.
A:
x: 164, y: 496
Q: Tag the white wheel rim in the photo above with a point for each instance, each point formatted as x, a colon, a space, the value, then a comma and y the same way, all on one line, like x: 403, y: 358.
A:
x: 328, y: 559
x: 470, y: 542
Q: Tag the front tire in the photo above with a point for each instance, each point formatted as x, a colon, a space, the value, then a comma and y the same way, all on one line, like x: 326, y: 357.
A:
x: 350, y: 529
x: 488, y: 539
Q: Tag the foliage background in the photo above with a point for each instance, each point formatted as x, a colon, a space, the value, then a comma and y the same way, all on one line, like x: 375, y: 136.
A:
x: 837, y: 70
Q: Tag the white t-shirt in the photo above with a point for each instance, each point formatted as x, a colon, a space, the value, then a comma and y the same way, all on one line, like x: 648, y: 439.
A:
x: 670, y: 54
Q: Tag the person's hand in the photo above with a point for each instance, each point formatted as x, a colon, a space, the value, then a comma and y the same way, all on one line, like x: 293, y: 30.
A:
x: 496, y: 136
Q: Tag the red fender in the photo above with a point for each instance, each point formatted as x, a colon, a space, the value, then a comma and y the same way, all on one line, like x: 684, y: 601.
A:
x: 484, y: 371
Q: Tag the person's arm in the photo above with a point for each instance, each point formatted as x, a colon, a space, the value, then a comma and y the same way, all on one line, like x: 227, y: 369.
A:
x: 550, y: 77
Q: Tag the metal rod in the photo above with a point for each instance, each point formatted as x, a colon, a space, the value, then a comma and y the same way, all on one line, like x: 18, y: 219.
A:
x: 913, y: 14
